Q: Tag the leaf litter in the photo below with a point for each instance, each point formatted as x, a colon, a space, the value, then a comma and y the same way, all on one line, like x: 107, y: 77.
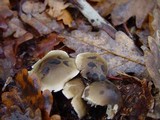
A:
x: 30, y: 29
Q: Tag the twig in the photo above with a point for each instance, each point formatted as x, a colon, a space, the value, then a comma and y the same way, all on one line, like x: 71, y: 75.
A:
x: 93, y: 17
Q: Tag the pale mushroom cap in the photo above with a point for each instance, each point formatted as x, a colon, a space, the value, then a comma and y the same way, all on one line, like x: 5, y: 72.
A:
x: 92, y: 66
x: 73, y: 88
x: 54, y: 70
x: 102, y: 93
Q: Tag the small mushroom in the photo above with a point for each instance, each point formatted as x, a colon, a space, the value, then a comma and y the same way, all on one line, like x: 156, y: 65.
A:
x: 54, y: 70
x: 74, y: 89
x: 103, y: 93
x: 92, y: 66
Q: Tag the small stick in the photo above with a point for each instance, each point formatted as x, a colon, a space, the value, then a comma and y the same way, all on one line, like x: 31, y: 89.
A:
x: 9, y: 79
x: 93, y: 17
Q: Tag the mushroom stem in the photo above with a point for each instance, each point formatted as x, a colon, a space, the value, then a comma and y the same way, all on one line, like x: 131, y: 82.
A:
x: 93, y: 17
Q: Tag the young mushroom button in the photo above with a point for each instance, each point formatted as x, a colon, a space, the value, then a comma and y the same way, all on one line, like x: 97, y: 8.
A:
x: 54, y: 70
x: 92, y: 66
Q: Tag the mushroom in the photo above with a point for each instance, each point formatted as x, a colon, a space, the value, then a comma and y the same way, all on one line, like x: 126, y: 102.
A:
x: 92, y: 66
x: 74, y: 89
x: 54, y: 70
x: 103, y: 93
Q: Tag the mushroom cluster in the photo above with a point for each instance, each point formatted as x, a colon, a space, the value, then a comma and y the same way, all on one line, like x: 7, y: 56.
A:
x: 57, y: 71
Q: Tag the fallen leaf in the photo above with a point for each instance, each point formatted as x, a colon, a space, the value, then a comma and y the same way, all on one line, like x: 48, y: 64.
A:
x: 152, y: 57
x: 66, y: 18
x: 56, y: 7
x: 13, y: 98
x: 30, y: 86
x: 15, y: 27
x: 139, y: 8
x: 5, y: 3
x: 33, y: 7
x: 9, y: 52
x: 31, y: 92
x: 5, y: 13
x: 47, y: 44
x: 6, y: 68
x: 154, y: 21
x: 137, y: 97
x: 38, y: 19
x: 16, y: 113
x: 121, y: 53
x: 105, y: 7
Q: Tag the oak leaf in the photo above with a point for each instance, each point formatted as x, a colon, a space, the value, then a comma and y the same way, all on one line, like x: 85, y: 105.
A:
x: 121, y: 53
x: 31, y: 92
x: 124, y: 10
x: 38, y: 18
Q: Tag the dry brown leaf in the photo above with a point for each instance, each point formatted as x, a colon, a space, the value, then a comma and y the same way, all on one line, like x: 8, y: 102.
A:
x: 56, y: 7
x: 38, y: 19
x: 10, y: 22
x: 121, y: 53
x: 5, y: 3
x: 66, y: 18
x: 5, y: 13
x: 15, y: 113
x: 105, y: 7
x: 33, y: 7
x: 6, y: 68
x: 30, y: 86
x: 46, y: 45
x: 152, y: 57
x: 137, y: 97
x: 31, y: 93
x: 15, y: 27
x: 13, y: 98
x: 154, y: 23
x: 139, y: 8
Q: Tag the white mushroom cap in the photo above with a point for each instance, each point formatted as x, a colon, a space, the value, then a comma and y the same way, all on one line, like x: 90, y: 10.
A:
x: 74, y: 89
x: 102, y: 93
x: 92, y: 66
x: 54, y: 70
